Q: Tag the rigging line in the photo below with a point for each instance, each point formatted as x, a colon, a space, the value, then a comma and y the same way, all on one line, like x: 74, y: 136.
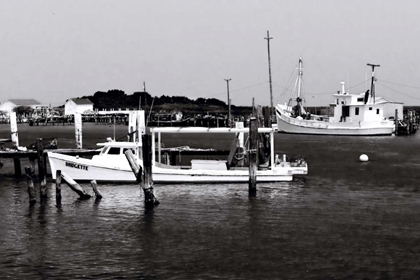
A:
x: 249, y: 86
x: 399, y: 91
x: 399, y: 84
x: 359, y: 83
x: 321, y: 93
x: 289, y: 80
x: 223, y: 93
x: 284, y: 88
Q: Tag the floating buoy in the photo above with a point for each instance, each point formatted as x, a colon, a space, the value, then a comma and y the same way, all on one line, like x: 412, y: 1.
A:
x: 363, y: 157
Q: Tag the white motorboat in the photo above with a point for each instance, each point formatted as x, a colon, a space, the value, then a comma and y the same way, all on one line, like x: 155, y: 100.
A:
x: 277, y: 168
x: 110, y: 164
x: 354, y: 114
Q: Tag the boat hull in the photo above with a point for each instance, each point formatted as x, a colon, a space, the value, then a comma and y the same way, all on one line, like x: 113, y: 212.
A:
x: 86, y: 170
x: 292, y: 125
x: 163, y: 175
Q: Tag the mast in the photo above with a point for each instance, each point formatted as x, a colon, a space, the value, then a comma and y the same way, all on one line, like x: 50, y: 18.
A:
x: 300, y: 74
x: 268, y: 38
x: 372, y: 84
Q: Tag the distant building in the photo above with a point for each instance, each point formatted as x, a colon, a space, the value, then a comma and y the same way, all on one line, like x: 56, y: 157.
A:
x: 7, y: 106
x: 77, y: 105
x: 390, y: 107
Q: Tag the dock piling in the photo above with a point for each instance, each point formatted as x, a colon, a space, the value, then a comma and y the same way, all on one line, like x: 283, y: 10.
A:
x: 149, y: 197
x: 95, y: 189
x: 58, y: 186
x: 30, y: 183
x: 396, y: 121
x: 78, y: 130
x: 253, y: 156
x: 144, y: 177
x: 41, y: 165
x: 75, y: 186
x: 18, y: 169
x: 14, y: 130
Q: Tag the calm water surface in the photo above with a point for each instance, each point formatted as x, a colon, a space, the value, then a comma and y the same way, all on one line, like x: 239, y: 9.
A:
x: 344, y: 220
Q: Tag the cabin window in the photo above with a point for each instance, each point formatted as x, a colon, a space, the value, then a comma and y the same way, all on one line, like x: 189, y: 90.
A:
x: 356, y: 111
x: 377, y: 111
x: 338, y: 101
x: 360, y: 99
x: 114, y: 151
x: 370, y: 108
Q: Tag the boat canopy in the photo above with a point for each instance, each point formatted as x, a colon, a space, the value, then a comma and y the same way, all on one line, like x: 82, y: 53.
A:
x: 120, y: 144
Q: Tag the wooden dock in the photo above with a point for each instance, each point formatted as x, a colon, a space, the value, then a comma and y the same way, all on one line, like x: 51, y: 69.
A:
x: 32, y: 155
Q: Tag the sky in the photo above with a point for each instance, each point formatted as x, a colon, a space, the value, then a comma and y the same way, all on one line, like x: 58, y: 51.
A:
x: 55, y: 50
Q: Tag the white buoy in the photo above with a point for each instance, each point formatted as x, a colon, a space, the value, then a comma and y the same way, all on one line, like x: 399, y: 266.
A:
x: 363, y: 157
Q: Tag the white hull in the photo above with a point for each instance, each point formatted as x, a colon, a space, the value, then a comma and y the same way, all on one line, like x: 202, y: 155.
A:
x: 112, y: 164
x: 352, y: 114
x: 170, y: 175
x: 86, y: 169
x: 293, y: 125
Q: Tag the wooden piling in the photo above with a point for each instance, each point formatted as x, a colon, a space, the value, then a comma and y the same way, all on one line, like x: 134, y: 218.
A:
x: 95, y: 189
x: 135, y: 167
x: 78, y: 130
x: 253, y: 156
x: 41, y: 171
x: 75, y: 186
x: 14, y: 130
x: 149, y: 197
x: 396, y: 121
x: 144, y: 177
x: 30, y: 182
x: 18, y: 169
x: 58, y: 186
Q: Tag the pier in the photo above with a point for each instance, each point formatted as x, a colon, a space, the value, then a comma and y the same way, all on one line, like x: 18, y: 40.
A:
x: 32, y: 155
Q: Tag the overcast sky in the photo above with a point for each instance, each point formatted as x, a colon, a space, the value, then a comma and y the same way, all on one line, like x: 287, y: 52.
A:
x: 55, y: 50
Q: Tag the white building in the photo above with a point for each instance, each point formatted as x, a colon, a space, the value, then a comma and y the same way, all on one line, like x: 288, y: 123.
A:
x: 7, y: 106
x: 390, y: 107
x: 77, y: 105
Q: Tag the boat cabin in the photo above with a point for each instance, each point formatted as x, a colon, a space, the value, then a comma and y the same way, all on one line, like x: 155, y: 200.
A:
x: 356, y: 107
x: 114, y: 151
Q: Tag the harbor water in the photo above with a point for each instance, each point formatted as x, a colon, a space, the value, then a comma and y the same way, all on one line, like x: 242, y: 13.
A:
x: 346, y: 219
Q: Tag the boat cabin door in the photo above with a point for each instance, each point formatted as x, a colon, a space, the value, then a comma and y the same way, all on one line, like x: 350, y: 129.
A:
x: 345, y: 113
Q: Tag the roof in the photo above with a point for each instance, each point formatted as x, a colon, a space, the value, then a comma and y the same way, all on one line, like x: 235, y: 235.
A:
x: 81, y: 101
x: 382, y: 100
x: 23, y: 102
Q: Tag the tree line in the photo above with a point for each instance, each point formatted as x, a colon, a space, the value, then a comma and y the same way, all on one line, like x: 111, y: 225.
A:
x: 118, y: 99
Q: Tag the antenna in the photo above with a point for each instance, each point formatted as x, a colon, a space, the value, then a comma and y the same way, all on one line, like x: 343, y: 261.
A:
x: 372, y: 85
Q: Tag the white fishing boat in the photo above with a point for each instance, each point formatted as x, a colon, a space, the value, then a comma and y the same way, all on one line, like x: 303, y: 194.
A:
x: 232, y: 169
x: 110, y: 164
x: 354, y: 114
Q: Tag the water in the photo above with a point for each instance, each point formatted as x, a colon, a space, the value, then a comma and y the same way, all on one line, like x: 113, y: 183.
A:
x: 344, y: 220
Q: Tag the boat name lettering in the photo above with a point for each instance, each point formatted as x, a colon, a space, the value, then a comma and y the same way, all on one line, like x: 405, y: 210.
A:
x: 75, y: 165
